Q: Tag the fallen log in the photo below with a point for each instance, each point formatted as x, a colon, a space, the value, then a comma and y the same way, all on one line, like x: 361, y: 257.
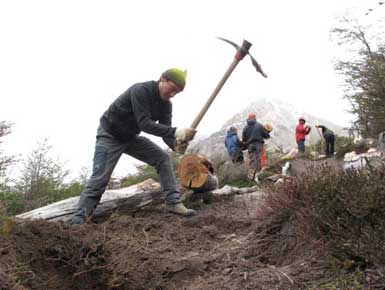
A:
x: 129, y: 198
x: 133, y: 197
x: 232, y: 190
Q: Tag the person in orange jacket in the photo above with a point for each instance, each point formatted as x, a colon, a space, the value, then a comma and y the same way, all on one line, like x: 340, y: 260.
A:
x: 300, y: 134
x: 268, y: 128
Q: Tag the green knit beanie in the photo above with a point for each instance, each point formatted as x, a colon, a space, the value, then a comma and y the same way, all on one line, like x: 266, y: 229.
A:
x: 177, y: 76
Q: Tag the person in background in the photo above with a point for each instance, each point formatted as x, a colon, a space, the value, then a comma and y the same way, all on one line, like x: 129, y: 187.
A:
x: 234, y: 145
x: 301, y: 131
x: 253, y: 136
x: 263, y: 157
x: 329, y: 140
x: 143, y: 107
x: 268, y: 128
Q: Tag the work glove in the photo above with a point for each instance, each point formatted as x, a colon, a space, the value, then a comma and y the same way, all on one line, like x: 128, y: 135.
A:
x: 184, y: 135
x: 181, y: 147
x: 308, y: 128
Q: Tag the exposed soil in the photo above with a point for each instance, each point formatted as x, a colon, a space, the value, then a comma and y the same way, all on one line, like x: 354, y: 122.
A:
x: 218, y: 249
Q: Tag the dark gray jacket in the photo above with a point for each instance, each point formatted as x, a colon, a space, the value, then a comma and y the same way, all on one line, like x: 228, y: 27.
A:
x: 254, y: 132
x: 325, y: 131
x: 140, y: 108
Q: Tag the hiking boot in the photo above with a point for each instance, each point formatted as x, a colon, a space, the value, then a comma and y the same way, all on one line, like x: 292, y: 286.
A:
x: 77, y: 220
x: 179, y: 208
x: 256, y: 179
x: 251, y: 173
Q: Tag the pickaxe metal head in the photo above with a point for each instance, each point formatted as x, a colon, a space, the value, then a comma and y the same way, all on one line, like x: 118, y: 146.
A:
x: 243, y: 52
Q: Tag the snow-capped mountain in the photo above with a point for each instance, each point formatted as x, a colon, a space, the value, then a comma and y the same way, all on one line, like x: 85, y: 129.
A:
x: 282, y: 116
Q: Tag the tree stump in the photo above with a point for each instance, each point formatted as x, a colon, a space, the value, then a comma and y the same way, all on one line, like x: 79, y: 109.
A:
x: 197, y: 173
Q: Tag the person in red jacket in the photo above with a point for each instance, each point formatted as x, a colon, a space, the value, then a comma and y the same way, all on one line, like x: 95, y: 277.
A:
x: 300, y: 134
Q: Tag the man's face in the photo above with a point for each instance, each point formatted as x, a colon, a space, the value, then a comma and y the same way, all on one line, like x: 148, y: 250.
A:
x: 167, y: 89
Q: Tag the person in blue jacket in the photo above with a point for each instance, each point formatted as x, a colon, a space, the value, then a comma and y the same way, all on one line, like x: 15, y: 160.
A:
x: 234, y: 145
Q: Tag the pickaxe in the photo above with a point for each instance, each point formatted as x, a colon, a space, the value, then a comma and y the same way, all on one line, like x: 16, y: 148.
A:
x: 321, y: 137
x: 239, y: 55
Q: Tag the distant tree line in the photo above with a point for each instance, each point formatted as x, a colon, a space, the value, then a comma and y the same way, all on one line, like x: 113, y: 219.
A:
x: 41, y: 180
x: 5, y: 161
x: 364, y: 76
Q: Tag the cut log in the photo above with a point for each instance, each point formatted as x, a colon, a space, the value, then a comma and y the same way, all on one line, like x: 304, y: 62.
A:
x: 197, y: 173
x: 133, y: 197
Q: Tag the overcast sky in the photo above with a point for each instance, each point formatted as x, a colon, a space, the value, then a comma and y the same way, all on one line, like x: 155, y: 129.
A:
x: 63, y: 62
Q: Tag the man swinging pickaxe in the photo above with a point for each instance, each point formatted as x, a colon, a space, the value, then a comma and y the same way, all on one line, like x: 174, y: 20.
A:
x: 242, y: 51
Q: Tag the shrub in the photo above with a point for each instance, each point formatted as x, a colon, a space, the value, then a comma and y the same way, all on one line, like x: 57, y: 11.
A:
x: 359, y: 148
x: 351, y: 213
x: 344, y: 210
x: 12, y: 202
x: 66, y: 191
x: 144, y: 172
x: 334, y: 218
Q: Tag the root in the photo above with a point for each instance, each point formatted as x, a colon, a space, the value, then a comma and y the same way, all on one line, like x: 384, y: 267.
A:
x: 274, y: 269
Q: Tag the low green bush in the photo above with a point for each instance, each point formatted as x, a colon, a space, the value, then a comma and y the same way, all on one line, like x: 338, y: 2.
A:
x: 346, y: 210
x: 350, y: 209
x: 360, y: 147
x: 143, y: 172
x: 12, y: 202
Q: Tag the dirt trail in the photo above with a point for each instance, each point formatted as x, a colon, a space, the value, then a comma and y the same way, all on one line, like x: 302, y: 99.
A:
x: 145, y: 250
x: 220, y: 248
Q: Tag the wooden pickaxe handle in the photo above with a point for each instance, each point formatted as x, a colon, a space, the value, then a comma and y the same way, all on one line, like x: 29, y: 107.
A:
x: 322, y: 138
x: 240, y: 54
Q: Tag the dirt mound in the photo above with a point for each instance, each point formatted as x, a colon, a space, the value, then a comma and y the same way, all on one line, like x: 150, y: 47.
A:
x: 218, y: 249
x: 43, y: 255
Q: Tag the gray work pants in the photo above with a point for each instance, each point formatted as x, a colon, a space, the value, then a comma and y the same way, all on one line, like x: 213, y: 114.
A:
x: 108, y: 150
x: 255, y: 154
